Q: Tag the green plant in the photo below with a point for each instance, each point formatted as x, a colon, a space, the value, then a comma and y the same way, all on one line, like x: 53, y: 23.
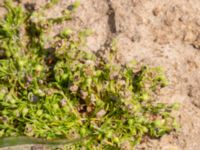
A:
x: 63, y: 92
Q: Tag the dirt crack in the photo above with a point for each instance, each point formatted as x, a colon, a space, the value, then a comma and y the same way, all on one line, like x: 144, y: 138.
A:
x: 111, y: 17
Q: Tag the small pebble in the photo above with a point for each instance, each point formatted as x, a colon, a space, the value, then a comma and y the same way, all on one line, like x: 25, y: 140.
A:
x: 156, y: 11
x: 63, y: 102
x: 73, y: 88
x: 125, y: 146
x: 83, y: 94
x: 170, y: 147
x: 189, y: 37
x: 101, y: 113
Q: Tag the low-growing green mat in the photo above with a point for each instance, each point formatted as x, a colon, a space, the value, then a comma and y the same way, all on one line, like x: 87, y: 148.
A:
x: 51, y: 88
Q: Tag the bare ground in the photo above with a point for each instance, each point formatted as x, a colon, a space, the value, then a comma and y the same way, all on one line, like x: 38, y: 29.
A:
x: 162, y: 33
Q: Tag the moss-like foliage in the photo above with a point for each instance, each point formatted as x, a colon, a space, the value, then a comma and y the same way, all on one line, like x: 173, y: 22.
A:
x: 50, y: 88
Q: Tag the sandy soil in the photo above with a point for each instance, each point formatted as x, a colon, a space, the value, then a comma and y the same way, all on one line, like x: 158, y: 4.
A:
x: 158, y: 33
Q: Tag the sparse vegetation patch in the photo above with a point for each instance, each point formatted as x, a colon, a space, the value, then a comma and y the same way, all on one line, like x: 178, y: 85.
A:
x: 51, y: 88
